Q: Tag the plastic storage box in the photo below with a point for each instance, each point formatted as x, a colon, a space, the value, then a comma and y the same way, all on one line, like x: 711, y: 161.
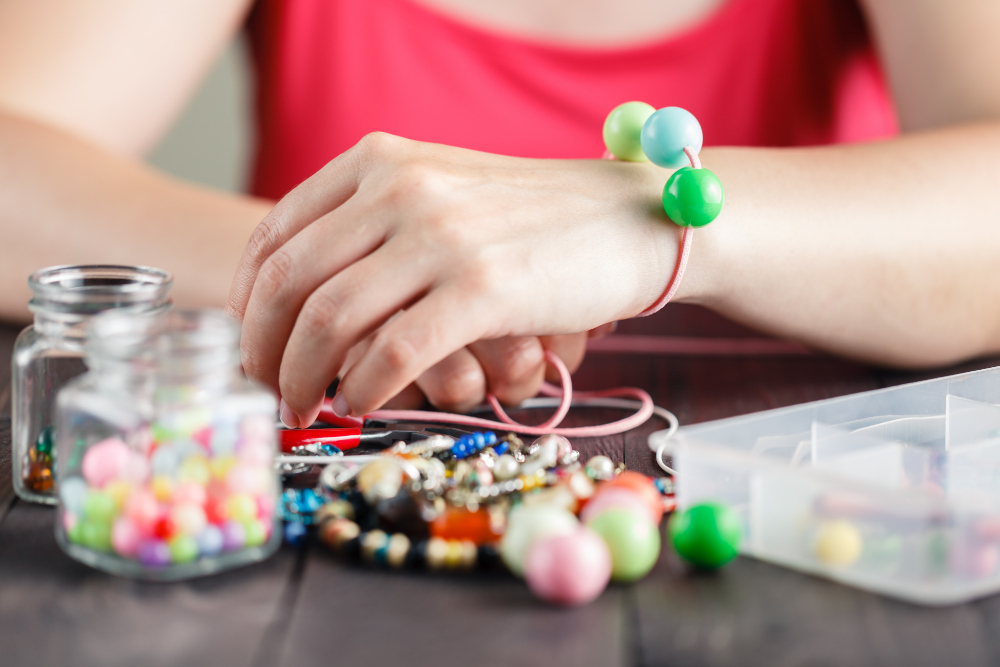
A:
x: 895, y: 490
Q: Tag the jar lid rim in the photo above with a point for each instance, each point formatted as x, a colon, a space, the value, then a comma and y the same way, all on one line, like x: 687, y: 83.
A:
x: 98, y: 285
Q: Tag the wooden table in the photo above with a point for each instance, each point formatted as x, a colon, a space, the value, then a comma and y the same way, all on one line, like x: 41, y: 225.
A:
x: 304, y: 607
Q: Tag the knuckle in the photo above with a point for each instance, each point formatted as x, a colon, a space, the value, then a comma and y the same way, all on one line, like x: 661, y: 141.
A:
x: 457, y: 388
x: 379, y: 143
x: 265, y: 239
x: 320, y: 315
x: 275, y: 275
x: 395, y: 352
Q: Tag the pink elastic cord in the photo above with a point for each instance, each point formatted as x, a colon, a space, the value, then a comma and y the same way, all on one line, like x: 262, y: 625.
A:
x: 507, y: 424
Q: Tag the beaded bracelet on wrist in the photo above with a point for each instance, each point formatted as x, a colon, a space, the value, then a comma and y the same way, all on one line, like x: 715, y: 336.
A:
x: 671, y: 138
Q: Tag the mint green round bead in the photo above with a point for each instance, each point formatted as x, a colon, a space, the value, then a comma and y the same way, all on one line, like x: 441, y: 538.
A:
x: 692, y: 197
x: 706, y: 535
x: 183, y: 549
x: 623, y: 129
x: 632, y: 539
x: 96, y: 535
x: 99, y: 506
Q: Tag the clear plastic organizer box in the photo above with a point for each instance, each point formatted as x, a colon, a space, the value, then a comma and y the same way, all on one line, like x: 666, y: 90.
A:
x: 896, y: 491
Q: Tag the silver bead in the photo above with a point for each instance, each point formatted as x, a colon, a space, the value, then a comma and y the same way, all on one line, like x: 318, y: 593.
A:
x: 600, y: 467
x: 505, y: 467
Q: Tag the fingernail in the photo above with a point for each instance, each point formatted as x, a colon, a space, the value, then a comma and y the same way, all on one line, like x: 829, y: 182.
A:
x: 340, y: 406
x: 288, y: 418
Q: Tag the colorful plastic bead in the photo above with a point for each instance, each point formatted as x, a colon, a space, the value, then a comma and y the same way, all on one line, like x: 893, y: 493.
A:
x: 183, y: 549
x: 618, y: 497
x: 568, y: 569
x: 838, y: 543
x: 125, y: 537
x: 665, y: 134
x: 528, y: 523
x: 640, y: 484
x: 104, y: 461
x: 622, y: 130
x: 153, y: 553
x: 692, y: 197
x: 706, y: 535
x: 210, y: 541
x: 458, y: 523
x: 633, y: 541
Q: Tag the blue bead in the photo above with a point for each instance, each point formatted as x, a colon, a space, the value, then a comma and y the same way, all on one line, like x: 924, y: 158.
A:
x: 295, y: 533
x: 479, y: 439
x: 491, y: 438
x: 501, y: 448
x: 665, y: 135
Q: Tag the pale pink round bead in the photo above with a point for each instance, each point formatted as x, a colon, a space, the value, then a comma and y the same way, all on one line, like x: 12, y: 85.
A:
x: 125, y: 537
x: 136, y: 468
x: 143, y: 510
x: 568, y: 569
x: 190, y: 492
x: 104, y: 461
x: 619, y: 498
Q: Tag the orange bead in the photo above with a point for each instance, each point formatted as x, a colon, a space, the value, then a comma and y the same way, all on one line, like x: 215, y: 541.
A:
x: 458, y: 523
x: 629, y: 479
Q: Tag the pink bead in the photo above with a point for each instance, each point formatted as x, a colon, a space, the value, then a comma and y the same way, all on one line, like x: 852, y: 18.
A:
x: 125, y: 537
x: 68, y: 521
x: 204, y: 438
x: 607, y: 498
x: 245, y: 479
x: 974, y: 560
x: 265, y: 507
x: 104, y: 461
x: 258, y: 429
x: 190, y: 493
x: 568, y: 569
x: 255, y: 453
x: 136, y: 469
x: 143, y: 510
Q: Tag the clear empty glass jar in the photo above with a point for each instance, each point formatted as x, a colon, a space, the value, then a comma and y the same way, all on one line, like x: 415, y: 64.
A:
x: 165, y: 450
x: 50, y: 352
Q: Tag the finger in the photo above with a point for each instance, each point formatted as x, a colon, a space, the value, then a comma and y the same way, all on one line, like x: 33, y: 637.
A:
x: 571, y: 348
x: 514, y: 366
x: 322, y: 192
x: 456, y: 383
x: 337, y: 316
x: 411, y: 398
x: 295, y: 271
x: 437, y: 325
x: 603, y: 330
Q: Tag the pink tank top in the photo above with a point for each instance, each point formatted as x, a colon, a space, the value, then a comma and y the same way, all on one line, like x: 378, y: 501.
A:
x: 754, y: 73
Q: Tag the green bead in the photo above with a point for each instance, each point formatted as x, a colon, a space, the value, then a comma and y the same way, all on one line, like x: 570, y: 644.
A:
x: 632, y: 539
x: 75, y: 534
x: 183, y: 549
x: 255, y: 533
x: 43, y: 444
x: 96, y: 535
x: 622, y: 130
x: 692, y: 197
x: 99, y: 506
x: 706, y: 535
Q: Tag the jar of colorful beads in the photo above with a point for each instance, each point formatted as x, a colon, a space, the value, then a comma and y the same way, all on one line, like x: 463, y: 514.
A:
x: 50, y: 352
x: 165, y: 450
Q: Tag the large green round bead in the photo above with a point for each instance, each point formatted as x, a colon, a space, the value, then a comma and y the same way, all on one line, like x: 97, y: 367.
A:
x: 632, y: 539
x: 692, y: 197
x: 623, y: 128
x: 706, y: 535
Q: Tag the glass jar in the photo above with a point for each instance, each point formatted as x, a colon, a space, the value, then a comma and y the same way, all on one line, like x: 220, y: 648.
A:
x: 165, y: 450
x: 50, y: 352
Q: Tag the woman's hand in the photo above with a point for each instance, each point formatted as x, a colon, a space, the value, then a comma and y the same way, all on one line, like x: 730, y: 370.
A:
x: 420, y: 250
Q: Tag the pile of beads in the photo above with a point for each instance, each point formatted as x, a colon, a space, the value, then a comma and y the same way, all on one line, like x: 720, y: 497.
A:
x: 39, y: 473
x: 450, y: 507
x: 185, y: 489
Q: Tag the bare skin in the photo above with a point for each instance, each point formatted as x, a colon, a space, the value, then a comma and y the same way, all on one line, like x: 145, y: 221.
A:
x: 75, y: 114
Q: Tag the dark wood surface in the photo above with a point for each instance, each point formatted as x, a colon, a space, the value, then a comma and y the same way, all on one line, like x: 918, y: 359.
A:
x: 304, y: 607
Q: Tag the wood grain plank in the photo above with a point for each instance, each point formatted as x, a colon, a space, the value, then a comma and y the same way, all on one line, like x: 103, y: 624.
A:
x: 54, y: 610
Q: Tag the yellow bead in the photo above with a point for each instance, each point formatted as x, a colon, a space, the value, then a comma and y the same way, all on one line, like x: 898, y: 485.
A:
x: 838, y: 543
x: 118, y: 490
x: 220, y: 467
x: 162, y: 487
x: 194, y: 469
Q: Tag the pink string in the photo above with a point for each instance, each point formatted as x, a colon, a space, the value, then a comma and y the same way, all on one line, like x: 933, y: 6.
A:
x: 565, y: 394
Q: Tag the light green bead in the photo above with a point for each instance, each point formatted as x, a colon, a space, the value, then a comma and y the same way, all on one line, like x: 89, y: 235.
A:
x: 255, y: 533
x: 633, y: 540
x: 96, y: 535
x: 692, y: 197
x: 99, y: 506
x: 183, y: 549
x: 623, y: 128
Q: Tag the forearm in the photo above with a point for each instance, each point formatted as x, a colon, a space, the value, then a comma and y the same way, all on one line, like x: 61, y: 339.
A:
x: 886, y: 252
x: 65, y: 201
